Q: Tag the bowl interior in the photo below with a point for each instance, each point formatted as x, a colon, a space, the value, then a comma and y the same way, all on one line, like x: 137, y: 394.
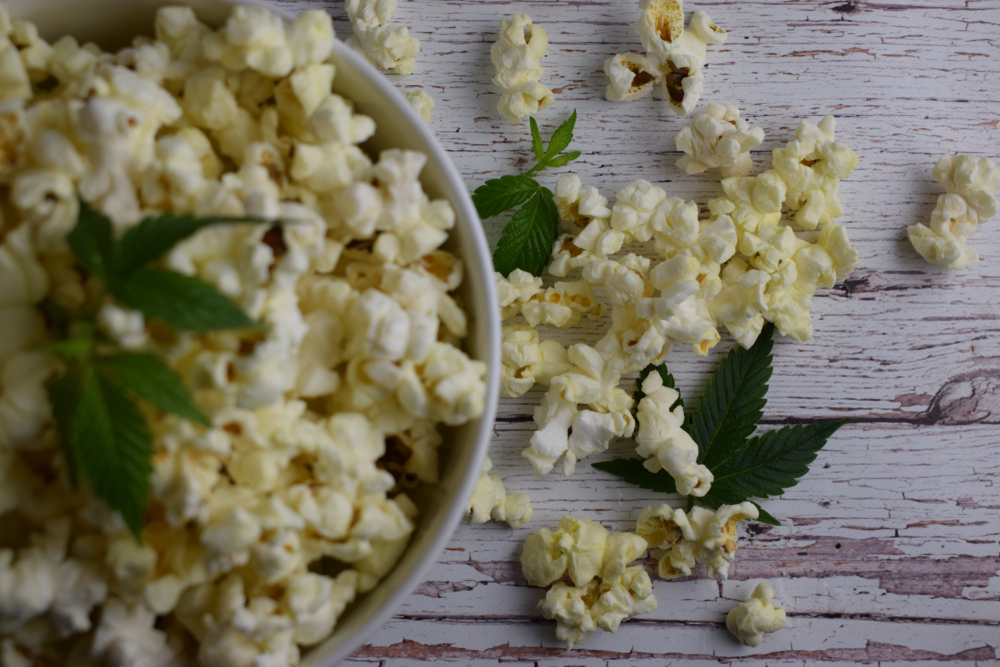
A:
x: 112, y: 24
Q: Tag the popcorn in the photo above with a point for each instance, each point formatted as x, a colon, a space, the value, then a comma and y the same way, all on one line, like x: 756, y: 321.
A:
x: 664, y: 444
x: 520, y: 352
x: 390, y: 47
x: 718, y: 138
x: 561, y: 305
x: 633, y: 209
x: 750, y: 620
x: 422, y: 103
x: 970, y: 186
x: 605, y: 591
x: 631, y: 76
x: 357, y: 317
x: 490, y: 500
x: 517, y: 290
x: 680, y: 540
x: 516, y: 56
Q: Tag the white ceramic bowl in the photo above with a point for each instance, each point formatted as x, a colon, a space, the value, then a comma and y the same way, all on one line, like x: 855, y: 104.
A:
x: 112, y: 24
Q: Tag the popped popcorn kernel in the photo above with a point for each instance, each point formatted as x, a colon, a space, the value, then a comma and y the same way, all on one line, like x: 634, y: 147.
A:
x: 750, y: 620
x: 516, y: 56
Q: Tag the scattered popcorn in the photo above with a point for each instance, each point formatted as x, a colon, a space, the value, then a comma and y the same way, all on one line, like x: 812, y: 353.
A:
x: 605, y: 590
x: 318, y: 418
x: 389, y: 47
x: 422, y: 102
x: 750, y: 620
x: 490, y: 501
x: 664, y: 444
x: 673, y: 60
x: 718, y: 138
x: 970, y: 186
x: 516, y: 56
x: 680, y: 540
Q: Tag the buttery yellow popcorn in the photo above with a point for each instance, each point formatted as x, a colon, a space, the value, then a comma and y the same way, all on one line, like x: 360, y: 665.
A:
x: 749, y: 621
x: 970, y: 187
x: 490, y: 500
x: 422, y: 103
x: 389, y: 47
x: 561, y: 305
x: 718, y: 138
x: 517, y: 290
x: 516, y: 56
x: 605, y: 591
x: 633, y: 209
x: 521, y: 353
x: 664, y: 444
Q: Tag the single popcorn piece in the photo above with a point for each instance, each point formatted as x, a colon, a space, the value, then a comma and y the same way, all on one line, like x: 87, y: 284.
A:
x: 970, y: 185
x: 630, y: 77
x: 422, y: 102
x: 490, y: 501
x: 516, y: 56
x: 521, y: 354
x: 389, y: 47
x: 718, y: 138
x: 749, y: 621
x: 664, y: 444
x: 605, y: 590
x: 632, y: 211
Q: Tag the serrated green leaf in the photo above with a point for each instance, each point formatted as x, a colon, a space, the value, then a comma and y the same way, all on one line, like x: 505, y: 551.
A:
x: 92, y: 241
x: 112, y: 445
x: 182, y: 301
x: 733, y: 402
x: 765, y: 517
x: 561, y: 138
x: 501, y: 194
x: 536, y: 140
x: 527, y: 239
x: 668, y: 381
x: 635, y: 473
x: 64, y: 395
x: 155, y: 236
x: 151, y: 378
x: 769, y: 464
x: 560, y: 160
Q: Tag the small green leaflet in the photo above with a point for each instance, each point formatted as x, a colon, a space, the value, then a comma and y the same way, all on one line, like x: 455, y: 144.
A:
x: 151, y: 378
x: 92, y: 242
x: 64, y: 394
x: 769, y: 464
x: 183, y: 301
x: 734, y: 400
x: 527, y: 239
x: 759, y: 467
x: 635, y: 473
x: 502, y: 194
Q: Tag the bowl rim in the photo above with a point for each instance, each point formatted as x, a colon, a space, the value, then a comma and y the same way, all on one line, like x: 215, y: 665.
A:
x: 487, y: 330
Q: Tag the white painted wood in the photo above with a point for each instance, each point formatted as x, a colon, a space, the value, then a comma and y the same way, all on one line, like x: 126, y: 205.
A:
x: 890, y: 548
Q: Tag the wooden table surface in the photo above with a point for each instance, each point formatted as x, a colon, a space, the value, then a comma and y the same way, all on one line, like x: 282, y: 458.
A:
x: 888, y: 550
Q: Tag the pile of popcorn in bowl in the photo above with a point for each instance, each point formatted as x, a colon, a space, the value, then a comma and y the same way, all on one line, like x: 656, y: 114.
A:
x: 265, y: 525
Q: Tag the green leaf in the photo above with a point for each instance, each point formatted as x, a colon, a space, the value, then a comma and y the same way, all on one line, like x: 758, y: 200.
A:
x: 155, y: 236
x: 92, y: 242
x: 151, y: 378
x: 561, y: 138
x: 113, y: 448
x: 668, y: 381
x: 74, y: 348
x: 183, y: 301
x: 562, y: 159
x: 733, y: 402
x: 527, y: 239
x: 765, y: 517
x: 536, y: 140
x: 768, y: 464
x: 633, y: 472
x: 501, y: 194
x: 64, y: 395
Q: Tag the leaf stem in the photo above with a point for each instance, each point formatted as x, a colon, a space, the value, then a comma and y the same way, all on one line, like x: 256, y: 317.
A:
x: 532, y: 171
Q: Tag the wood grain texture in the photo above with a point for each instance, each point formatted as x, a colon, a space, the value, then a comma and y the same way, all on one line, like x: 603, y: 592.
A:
x: 890, y: 550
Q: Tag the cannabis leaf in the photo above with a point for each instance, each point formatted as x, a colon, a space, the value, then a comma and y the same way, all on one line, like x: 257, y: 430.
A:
x: 759, y: 467
x: 527, y: 239
x: 102, y: 432
x: 734, y: 399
